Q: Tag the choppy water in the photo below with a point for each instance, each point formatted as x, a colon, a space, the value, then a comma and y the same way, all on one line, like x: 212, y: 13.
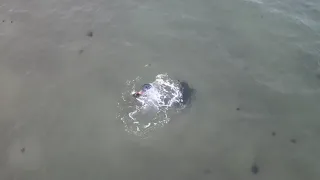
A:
x: 156, y: 107
x: 254, y: 65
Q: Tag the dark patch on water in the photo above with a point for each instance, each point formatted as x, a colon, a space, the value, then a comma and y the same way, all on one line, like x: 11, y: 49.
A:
x: 318, y: 76
x: 23, y: 150
x: 11, y: 21
x: 3, y: 20
x: 90, y: 33
x: 294, y: 141
x: 255, y: 169
x: 273, y: 133
x: 81, y: 51
x: 207, y: 171
x: 238, y: 109
x: 187, y: 93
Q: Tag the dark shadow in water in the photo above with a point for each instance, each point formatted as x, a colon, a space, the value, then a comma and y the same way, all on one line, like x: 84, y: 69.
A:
x: 294, y: 141
x: 188, y: 93
x: 255, y: 169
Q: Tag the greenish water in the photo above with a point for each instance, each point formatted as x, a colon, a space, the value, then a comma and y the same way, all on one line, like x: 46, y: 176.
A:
x: 254, y: 66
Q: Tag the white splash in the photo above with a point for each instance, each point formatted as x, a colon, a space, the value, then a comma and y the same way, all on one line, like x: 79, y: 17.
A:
x: 154, y: 108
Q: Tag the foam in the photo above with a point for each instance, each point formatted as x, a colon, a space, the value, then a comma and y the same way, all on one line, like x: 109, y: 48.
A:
x: 154, y: 108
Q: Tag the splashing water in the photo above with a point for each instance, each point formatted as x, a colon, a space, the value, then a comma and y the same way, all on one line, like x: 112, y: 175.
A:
x: 154, y: 108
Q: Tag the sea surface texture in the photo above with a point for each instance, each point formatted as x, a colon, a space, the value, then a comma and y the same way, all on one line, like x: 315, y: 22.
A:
x: 253, y: 66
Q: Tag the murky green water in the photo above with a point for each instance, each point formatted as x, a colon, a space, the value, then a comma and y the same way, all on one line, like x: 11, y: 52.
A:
x: 254, y: 65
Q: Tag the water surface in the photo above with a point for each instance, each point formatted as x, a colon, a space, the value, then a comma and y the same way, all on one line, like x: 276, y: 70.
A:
x: 254, y: 65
